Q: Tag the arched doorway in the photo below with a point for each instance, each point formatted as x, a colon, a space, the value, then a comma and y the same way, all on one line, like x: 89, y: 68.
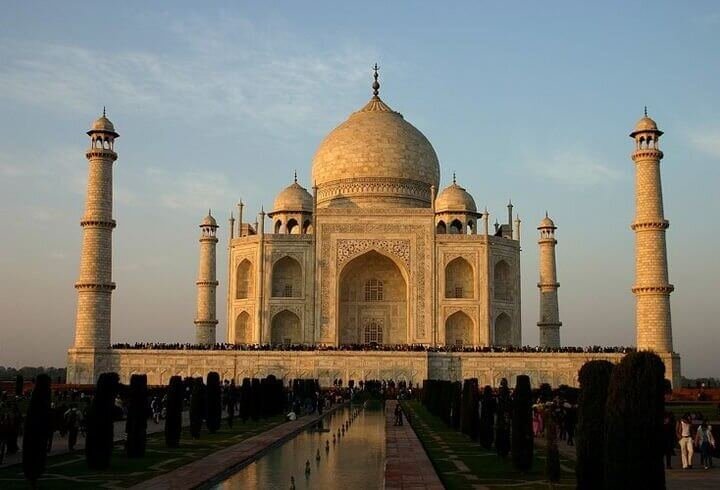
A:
x: 503, y: 330
x: 285, y: 328
x: 286, y: 278
x: 459, y: 279
x: 458, y: 329
x: 372, y: 300
x: 243, y: 334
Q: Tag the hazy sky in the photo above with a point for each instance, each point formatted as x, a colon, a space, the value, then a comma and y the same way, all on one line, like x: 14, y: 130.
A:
x: 215, y: 102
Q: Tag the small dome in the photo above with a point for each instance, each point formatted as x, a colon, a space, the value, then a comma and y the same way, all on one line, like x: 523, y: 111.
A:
x: 103, y: 124
x: 646, y: 124
x: 293, y: 198
x: 546, y: 222
x: 455, y: 198
x: 208, y: 220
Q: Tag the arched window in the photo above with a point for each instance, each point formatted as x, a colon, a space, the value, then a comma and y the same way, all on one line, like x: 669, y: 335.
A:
x: 286, y: 278
x: 373, y: 290
x: 292, y: 227
x: 285, y: 328
x: 459, y: 279
x: 278, y: 226
x: 503, y: 330
x: 307, y: 227
x: 471, y: 227
x: 502, y: 281
x: 441, y: 228
x: 244, y: 280
x: 373, y: 333
x: 456, y: 227
x: 243, y: 335
x: 458, y: 329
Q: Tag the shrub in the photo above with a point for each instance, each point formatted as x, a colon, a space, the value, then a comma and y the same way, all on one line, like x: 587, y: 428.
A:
x: 214, y: 402
x: 19, y: 385
x: 456, y: 402
x: 246, y: 398
x: 99, y: 440
x: 37, y: 428
x: 594, y: 379
x: 255, y: 399
x: 522, y: 433
x: 502, y: 425
x: 197, y: 408
x: 136, y: 425
x: 173, y: 416
x: 469, y: 409
x: 634, y: 423
x: 488, y: 408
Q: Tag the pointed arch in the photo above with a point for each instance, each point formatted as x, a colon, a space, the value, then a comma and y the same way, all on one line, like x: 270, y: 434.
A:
x: 292, y: 227
x: 243, y: 328
x: 502, y: 281
x: 456, y: 227
x: 441, y: 228
x: 285, y: 328
x: 503, y: 329
x: 244, y: 280
x: 287, y: 278
x: 459, y: 282
x: 307, y: 227
x: 459, y: 329
x: 278, y: 226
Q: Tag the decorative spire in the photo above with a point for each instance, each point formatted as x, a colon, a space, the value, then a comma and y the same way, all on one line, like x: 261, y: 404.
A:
x: 454, y: 179
x: 546, y: 214
x: 645, y: 111
x: 103, y: 111
x: 376, y: 84
x: 295, y: 176
x: 209, y: 212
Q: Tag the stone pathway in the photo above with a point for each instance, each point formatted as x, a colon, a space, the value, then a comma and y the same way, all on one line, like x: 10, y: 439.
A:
x: 407, y: 465
x: 60, y: 444
x: 216, y: 466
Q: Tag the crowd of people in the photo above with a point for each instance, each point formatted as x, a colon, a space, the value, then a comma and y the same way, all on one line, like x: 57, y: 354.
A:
x: 693, y: 434
x: 370, y: 347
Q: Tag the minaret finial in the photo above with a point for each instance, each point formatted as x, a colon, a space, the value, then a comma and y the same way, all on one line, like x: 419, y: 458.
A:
x: 209, y: 212
x: 546, y: 214
x: 645, y: 111
x: 103, y: 111
x: 295, y: 176
x: 454, y: 179
x: 376, y: 84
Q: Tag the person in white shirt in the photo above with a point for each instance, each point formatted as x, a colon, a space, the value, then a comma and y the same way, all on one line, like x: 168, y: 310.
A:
x: 684, y: 434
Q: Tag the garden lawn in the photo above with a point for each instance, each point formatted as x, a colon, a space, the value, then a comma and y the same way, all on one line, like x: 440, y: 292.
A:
x: 70, y: 470
x: 462, y: 463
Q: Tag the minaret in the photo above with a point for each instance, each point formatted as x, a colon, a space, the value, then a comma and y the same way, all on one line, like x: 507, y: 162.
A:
x: 652, y: 288
x: 549, y: 323
x: 206, y: 320
x: 95, y: 286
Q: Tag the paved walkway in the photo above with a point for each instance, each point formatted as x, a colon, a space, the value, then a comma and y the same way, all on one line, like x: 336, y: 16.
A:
x: 60, y: 444
x: 229, y: 460
x: 406, y: 465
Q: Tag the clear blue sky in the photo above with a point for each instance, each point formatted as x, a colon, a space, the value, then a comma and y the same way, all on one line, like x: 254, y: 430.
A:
x: 217, y: 101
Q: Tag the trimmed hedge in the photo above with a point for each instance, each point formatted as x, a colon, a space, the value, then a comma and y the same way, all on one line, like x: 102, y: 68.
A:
x: 37, y: 428
x: 136, y: 424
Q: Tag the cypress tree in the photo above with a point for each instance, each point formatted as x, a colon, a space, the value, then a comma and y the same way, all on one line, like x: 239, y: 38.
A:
x: 173, y: 417
x: 488, y: 408
x: 469, y: 412
x: 197, y: 408
x: 99, y: 439
x: 256, y: 401
x: 594, y: 379
x: 37, y: 428
x: 456, y: 404
x: 136, y: 424
x: 214, y: 402
x: 522, y: 433
x: 502, y: 425
x: 634, y: 423
x: 246, y: 398
x: 19, y: 384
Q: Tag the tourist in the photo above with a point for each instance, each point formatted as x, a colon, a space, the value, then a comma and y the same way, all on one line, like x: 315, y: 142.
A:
x: 706, y: 443
x: 398, y: 414
x: 570, y: 419
x: 52, y: 426
x: 72, y: 423
x: 669, y: 438
x: 684, y: 434
x: 155, y: 408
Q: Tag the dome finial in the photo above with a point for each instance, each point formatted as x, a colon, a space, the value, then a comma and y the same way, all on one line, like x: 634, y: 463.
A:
x: 295, y: 176
x: 645, y: 111
x: 454, y: 180
x: 376, y: 84
x: 104, y: 111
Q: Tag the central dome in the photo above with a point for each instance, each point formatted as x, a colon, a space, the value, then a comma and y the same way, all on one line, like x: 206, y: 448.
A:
x: 375, y: 159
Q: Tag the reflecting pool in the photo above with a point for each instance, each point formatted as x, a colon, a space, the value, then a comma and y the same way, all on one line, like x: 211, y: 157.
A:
x: 355, y: 460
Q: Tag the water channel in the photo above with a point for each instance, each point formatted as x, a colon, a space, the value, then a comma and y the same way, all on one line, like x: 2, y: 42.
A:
x: 356, y: 460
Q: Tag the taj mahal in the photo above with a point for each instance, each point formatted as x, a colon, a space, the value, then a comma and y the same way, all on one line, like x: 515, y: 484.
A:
x: 371, y: 272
